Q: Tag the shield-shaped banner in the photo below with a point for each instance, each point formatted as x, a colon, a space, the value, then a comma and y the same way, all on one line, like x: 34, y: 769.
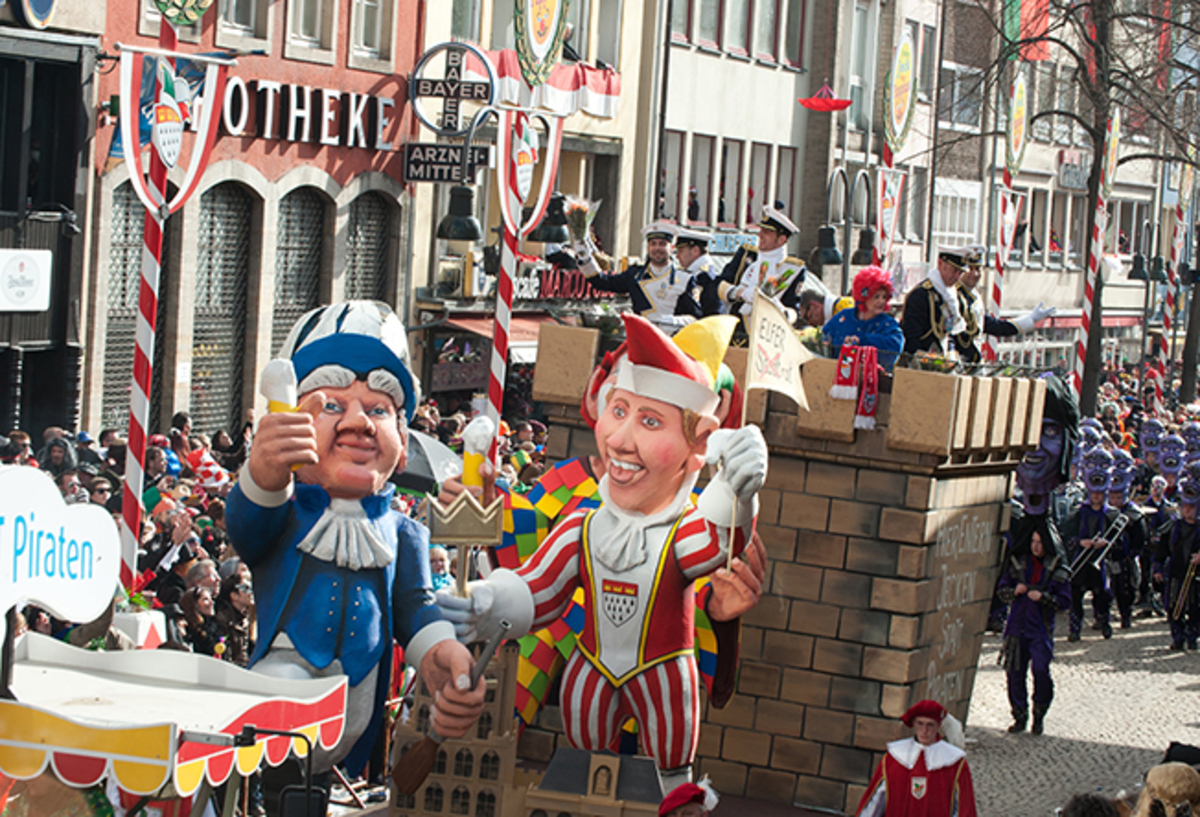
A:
x: 619, y: 600
x: 541, y: 27
x: 891, y: 186
x: 919, y: 787
x: 172, y: 105
x: 509, y: 172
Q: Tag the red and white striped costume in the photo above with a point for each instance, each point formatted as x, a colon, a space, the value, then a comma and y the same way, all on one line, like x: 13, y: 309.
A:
x: 635, y: 656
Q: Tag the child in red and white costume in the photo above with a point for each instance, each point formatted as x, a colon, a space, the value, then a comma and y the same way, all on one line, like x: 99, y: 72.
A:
x: 637, y: 556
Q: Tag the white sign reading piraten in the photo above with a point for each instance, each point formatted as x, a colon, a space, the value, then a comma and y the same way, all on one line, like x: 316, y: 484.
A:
x: 776, y: 353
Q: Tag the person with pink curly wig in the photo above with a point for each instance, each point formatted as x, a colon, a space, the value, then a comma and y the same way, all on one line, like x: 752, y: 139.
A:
x: 868, y: 323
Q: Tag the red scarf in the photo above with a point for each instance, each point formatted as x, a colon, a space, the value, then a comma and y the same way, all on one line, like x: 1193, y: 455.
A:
x: 852, y: 361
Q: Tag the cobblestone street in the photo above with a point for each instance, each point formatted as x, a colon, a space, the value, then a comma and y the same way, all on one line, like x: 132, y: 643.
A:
x: 1117, y: 705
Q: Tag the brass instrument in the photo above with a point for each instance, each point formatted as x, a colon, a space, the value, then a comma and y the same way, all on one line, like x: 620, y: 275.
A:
x: 1093, y: 557
x: 1184, y: 590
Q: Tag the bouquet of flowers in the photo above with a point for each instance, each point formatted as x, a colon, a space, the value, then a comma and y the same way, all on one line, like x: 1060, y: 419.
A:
x: 580, y: 215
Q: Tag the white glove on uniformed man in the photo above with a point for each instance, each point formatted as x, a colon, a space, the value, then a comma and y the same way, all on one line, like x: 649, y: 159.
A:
x: 1029, y: 320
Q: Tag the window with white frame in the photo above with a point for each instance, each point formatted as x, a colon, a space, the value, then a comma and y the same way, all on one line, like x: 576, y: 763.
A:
x: 913, y: 204
x: 1045, y: 93
x: 737, y: 31
x: 579, y: 20
x: 608, y: 32
x: 767, y: 32
x: 239, y: 16
x: 785, y: 178
x: 681, y: 20
x: 504, y: 33
x: 955, y: 212
x: 960, y: 96
x: 760, y: 175
x: 374, y: 28
x: 244, y: 24
x: 672, y: 170
x: 312, y: 30
x: 793, y: 46
x: 464, y: 20
x: 708, y: 27
x: 860, y: 78
x: 700, y: 187
x: 729, y: 194
x: 928, y: 60
x: 1063, y: 124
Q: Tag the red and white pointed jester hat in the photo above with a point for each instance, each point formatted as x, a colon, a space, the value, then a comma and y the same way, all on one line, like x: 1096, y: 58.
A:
x: 658, y: 369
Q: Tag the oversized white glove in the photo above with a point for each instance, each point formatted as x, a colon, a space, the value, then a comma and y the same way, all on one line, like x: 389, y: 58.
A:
x: 582, y: 251
x: 502, y: 596
x: 1029, y: 320
x: 742, y: 454
x: 744, y: 309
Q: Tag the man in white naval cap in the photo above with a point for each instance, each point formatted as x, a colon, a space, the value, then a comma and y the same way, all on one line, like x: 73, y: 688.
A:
x: 768, y: 268
x: 339, y: 574
x: 659, y: 290
x: 970, y: 305
x: 691, y: 248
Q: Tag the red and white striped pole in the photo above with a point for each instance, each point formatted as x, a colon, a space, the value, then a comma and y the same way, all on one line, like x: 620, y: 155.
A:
x: 1089, y: 291
x: 504, y: 282
x: 143, y: 356
x: 989, y: 343
x: 1172, y: 289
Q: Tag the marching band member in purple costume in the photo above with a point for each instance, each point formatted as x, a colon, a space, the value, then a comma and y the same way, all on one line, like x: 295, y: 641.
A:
x: 1178, y: 551
x: 1082, y: 531
x: 1123, y: 556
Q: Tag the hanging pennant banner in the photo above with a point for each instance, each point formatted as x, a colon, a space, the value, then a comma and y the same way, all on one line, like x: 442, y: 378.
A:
x: 541, y: 27
x: 900, y: 101
x: 1187, y: 180
x: 1018, y: 126
x: 1110, y: 153
x: 891, y: 187
x: 1010, y: 207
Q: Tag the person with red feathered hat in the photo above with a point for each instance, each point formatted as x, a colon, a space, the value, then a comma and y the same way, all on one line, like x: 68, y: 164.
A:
x: 922, y: 776
x: 636, y: 557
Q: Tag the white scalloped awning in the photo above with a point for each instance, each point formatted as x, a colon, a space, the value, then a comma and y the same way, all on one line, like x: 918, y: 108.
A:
x: 89, y: 714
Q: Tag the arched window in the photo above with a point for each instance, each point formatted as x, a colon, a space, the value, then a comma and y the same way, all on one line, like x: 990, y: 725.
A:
x: 485, y: 804
x: 299, y: 253
x: 121, y: 313
x: 219, y: 323
x: 440, y: 766
x: 407, y: 801
x: 423, y: 718
x: 433, y: 797
x: 464, y: 763
x: 368, y: 245
x: 460, y: 801
x: 489, y: 766
x: 485, y: 726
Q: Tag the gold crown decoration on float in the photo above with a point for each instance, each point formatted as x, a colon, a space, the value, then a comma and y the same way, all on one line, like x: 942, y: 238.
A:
x: 465, y: 521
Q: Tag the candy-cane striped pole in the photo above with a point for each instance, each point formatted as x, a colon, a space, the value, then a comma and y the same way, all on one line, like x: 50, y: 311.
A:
x: 1089, y: 290
x: 1172, y: 289
x: 504, y: 287
x: 997, y: 291
x: 143, y: 355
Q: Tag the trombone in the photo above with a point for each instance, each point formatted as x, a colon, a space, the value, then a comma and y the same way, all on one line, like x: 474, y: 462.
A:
x: 1091, y: 557
x: 1184, y: 591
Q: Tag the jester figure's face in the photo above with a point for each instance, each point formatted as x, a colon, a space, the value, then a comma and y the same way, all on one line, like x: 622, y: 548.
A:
x: 1039, y: 472
x: 1171, y: 452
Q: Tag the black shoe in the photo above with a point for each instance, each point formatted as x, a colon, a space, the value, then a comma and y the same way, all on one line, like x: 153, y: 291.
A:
x: 1192, y: 646
x: 1020, y: 717
x: 1039, y: 722
x: 1073, y: 637
x: 1126, y: 622
x: 1106, y: 630
x: 1096, y: 625
x: 1176, y: 646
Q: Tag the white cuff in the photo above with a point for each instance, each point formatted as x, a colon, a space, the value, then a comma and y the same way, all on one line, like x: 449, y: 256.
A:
x: 424, y: 640
x: 259, y: 496
x: 1024, y: 322
x: 587, y: 265
x: 513, y: 601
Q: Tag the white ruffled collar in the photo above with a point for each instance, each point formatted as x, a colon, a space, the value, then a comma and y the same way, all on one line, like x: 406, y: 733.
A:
x: 621, y: 541
x: 938, y: 756
x: 346, y: 536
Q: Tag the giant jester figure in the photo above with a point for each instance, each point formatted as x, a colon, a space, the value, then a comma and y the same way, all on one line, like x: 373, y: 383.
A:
x: 339, y: 574
x: 637, y: 555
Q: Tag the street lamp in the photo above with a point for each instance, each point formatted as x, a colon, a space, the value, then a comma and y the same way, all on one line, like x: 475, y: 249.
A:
x: 826, y: 251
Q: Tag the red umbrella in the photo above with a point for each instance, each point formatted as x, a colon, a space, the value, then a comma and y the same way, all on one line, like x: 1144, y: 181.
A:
x: 824, y: 101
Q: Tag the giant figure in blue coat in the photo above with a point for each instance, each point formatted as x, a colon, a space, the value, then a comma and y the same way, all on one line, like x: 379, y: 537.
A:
x: 339, y: 573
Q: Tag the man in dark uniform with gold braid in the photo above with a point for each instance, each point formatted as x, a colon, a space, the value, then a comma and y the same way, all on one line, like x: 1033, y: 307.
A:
x: 970, y: 306
x: 931, y: 310
x: 767, y: 268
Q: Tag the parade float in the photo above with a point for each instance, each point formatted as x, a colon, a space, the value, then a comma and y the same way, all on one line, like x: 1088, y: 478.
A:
x: 148, y: 725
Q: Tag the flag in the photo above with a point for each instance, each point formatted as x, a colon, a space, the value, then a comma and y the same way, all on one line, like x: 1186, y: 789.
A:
x: 1026, y: 21
x: 210, y: 474
x: 776, y: 353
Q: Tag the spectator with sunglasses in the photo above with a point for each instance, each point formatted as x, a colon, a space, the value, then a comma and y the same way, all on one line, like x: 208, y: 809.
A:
x: 235, y: 616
